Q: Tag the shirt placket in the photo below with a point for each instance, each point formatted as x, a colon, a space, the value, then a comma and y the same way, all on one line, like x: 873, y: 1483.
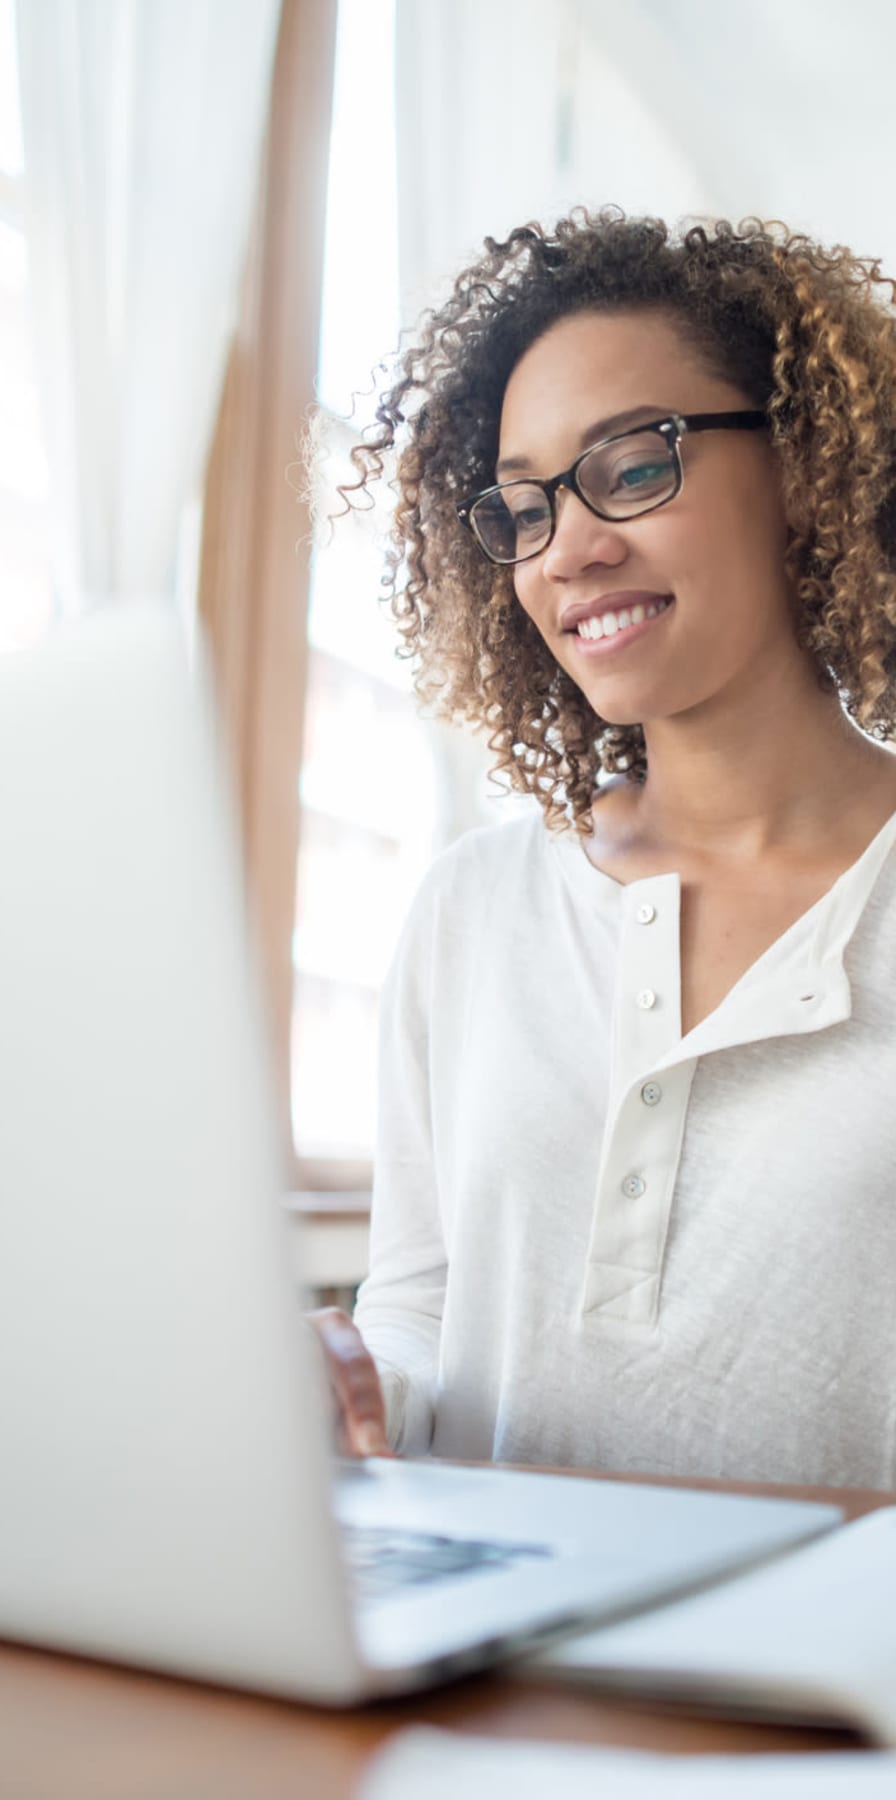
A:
x: 801, y: 988
x: 648, y: 1109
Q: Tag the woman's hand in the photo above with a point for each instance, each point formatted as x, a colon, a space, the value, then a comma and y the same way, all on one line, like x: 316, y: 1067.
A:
x: 354, y: 1383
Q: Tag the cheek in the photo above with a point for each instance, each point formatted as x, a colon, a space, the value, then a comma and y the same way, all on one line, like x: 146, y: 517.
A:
x: 750, y: 518
x: 526, y: 588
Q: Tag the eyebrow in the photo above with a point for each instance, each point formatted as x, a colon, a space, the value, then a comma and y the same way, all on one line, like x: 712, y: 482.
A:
x: 592, y: 434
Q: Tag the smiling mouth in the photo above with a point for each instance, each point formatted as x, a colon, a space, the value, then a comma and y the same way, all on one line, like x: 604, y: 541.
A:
x: 609, y: 624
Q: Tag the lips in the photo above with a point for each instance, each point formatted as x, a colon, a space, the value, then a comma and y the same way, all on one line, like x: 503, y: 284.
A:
x: 622, y: 599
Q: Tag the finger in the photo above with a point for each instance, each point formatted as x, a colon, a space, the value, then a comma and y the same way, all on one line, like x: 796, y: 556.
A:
x: 354, y: 1382
x: 359, y: 1395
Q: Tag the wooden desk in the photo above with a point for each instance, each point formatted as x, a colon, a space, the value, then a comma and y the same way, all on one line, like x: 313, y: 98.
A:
x: 73, y: 1730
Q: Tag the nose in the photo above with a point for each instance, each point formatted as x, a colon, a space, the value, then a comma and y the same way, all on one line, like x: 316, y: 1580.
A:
x: 581, y: 539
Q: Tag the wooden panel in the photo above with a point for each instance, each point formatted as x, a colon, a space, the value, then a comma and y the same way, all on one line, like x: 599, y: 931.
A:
x: 255, y: 551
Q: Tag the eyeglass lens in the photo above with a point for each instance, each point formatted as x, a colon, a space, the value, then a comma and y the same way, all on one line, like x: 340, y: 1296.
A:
x: 619, y: 479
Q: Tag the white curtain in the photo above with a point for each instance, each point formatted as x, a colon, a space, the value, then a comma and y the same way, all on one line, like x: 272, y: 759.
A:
x: 509, y: 110
x: 512, y: 110
x: 142, y: 124
x: 478, y: 107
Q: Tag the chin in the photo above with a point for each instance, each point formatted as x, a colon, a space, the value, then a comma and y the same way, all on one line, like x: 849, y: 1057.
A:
x: 614, y: 712
x: 616, y: 717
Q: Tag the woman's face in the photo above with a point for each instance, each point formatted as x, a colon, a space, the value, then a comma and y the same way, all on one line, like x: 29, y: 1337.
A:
x: 707, y: 568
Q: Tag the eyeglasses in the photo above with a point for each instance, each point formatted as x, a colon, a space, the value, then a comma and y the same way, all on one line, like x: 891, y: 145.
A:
x: 620, y: 478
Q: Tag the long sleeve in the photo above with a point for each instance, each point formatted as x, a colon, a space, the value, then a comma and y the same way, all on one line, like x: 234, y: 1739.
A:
x: 399, y: 1310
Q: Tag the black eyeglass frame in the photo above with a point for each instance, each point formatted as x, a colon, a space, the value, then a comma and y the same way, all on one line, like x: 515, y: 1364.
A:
x: 672, y: 429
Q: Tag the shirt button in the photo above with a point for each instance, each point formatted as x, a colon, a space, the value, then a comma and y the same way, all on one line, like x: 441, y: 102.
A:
x: 646, y: 914
x: 651, y: 1093
x: 646, y: 999
x: 633, y: 1187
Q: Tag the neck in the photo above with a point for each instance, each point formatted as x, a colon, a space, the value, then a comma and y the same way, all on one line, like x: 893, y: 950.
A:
x: 744, y: 777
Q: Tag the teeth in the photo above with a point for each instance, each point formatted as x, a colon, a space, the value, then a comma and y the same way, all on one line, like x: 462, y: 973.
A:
x: 607, y: 624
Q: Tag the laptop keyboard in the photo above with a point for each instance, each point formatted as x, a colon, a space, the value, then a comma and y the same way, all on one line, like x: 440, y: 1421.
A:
x: 381, y: 1559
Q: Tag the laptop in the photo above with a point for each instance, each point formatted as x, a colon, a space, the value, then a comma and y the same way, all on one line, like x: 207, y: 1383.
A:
x: 169, y: 1495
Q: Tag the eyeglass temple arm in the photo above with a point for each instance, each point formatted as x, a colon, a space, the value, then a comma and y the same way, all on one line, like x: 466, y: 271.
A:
x: 752, y: 420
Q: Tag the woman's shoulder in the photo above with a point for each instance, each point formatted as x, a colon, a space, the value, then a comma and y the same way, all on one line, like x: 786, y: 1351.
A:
x: 493, y: 849
x: 481, y: 876
x: 481, y: 862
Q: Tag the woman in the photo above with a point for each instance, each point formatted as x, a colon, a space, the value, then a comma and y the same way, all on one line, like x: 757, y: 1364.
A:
x: 635, y: 1200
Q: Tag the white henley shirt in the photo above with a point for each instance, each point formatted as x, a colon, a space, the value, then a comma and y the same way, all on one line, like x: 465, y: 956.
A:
x: 597, y: 1243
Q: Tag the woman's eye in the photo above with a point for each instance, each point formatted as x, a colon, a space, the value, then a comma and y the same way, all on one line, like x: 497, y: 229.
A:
x: 528, y: 519
x: 641, y: 474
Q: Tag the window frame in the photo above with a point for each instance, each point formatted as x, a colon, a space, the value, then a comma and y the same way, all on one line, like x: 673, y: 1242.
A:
x: 256, y: 530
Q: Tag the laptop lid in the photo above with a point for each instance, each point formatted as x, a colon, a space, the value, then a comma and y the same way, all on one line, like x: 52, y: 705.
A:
x: 165, y: 1479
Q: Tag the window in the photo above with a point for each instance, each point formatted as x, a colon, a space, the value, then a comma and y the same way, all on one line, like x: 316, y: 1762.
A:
x: 367, y: 803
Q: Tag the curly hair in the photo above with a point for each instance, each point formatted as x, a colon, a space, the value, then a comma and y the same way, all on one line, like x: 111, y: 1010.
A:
x: 805, y: 332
